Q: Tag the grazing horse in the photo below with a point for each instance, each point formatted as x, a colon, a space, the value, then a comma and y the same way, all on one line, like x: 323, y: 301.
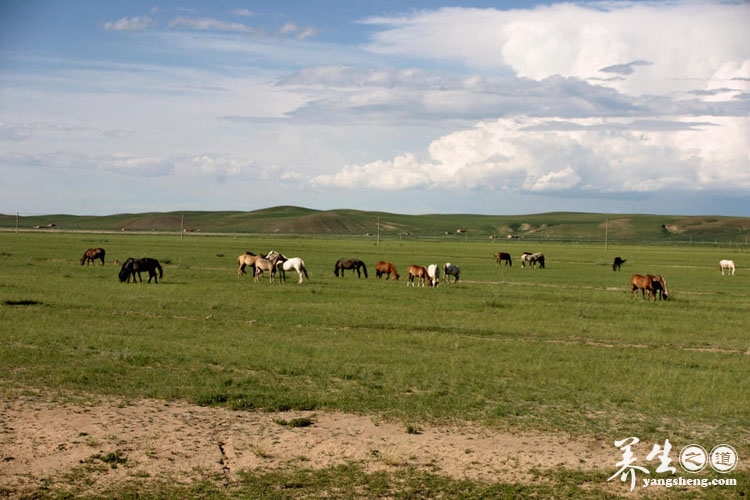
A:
x: 532, y: 259
x: 133, y: 267
x: 451, y: 270
x: 90, y: 255
x: 247, y: 259
x: 353, y: 264
x: 386, y: 268
x: 727, y: 265
x: 262, y: 264
x: 640, y: 282
x: 503, y: 257
x: 433, y: 272
x: 296, y: 264
x: 649, y: 284
x: 659, y: 286
x: 418, y: 272
x: 617, y: 263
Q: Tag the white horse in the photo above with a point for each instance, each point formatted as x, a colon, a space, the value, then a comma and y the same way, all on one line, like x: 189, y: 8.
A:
x: 296, y: 264
x: 433, y: 271
x: 451, y: 270
x: 532, y: 259
x: 727, y: 265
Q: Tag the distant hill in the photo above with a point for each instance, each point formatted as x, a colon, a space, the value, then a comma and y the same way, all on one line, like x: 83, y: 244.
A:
x: 291, y: 220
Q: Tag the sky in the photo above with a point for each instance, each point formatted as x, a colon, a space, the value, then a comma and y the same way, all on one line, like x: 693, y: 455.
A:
x: 414, y: 107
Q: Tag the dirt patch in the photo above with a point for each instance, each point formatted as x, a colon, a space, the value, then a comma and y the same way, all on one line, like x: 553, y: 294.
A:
x: 114, y: 442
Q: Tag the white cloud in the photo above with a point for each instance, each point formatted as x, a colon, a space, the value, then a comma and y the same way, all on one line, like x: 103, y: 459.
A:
x: 594, y: 156
x: 683, y: 43
x: 208, y: 24
x: 136, y: 23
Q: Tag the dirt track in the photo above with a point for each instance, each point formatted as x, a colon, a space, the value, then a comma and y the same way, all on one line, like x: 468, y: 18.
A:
x: 44, y: 442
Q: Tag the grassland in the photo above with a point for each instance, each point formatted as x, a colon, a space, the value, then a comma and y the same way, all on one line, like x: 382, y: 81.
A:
x: 564, y: 350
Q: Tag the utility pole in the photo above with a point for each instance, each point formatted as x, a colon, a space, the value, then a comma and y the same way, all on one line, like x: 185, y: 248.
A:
x: 606, y: 234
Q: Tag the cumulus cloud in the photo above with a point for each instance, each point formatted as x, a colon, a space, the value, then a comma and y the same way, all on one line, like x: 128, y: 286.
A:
x: 594, y: 156
x: 686, y: 42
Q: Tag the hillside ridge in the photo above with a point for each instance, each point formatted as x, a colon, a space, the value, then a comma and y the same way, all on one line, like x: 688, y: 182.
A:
x: 291, y: 220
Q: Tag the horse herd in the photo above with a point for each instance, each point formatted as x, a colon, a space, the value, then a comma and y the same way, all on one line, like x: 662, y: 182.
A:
x: 131, y: 268
x: 650, y: 285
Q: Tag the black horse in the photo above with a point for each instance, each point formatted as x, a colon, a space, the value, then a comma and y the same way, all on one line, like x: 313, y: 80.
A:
x: 353, y: 264
x: 132, y: 266
x: 617, y: 263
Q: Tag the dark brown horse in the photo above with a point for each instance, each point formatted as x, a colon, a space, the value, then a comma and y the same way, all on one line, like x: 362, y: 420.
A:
x: 90, y: 255
x: 617, y: 263
x: 353, y: 264
x: 386, y: 268
x: 420, y: 273
x: 503, y: 257
x: 659, y: 286
x: 133, y: 267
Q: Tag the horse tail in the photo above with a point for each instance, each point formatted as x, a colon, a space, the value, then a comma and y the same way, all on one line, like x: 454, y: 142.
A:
x: 336, y: 270
x: 510, y: 261
x: 83, y: 259
x: 364, y: 268
x: 158, y: 266
x: 304, y: 270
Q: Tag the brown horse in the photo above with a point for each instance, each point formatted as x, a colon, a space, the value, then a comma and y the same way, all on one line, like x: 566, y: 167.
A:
x: 420, y: 273
x: 659, y: 285
x: 262, y: 265
x: 503, y: 257
x: 353, y: 264
x: 247, y: 259
x: 649, y: 284
x: 640, y: 282
x: 90, y: 255
x: 386, y: 268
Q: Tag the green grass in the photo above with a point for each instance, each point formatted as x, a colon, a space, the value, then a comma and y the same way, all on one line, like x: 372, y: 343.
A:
x: 562, y: 350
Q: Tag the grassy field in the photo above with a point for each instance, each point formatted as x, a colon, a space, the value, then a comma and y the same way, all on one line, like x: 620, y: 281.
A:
x: 564, y: 349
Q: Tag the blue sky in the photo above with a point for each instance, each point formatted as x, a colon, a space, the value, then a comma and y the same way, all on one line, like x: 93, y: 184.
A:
x: 420, y: 107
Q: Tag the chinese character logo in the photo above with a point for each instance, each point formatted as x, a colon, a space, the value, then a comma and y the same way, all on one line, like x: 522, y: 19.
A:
x: 693, y: 458
x: 723, y: 458
x: 627, y: 469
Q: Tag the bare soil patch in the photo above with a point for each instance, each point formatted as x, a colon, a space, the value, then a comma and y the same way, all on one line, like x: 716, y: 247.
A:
x: 112, y: 442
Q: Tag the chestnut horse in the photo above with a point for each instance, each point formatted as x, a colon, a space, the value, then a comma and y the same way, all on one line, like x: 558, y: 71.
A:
x: 386, y: 268
x: 649, y: 284
x: 503, y: 257
x: 420, y: 273
x: 90, y: 255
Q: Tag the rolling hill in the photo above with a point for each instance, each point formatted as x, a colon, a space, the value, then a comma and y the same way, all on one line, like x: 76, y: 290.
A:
x: 289, y: 220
